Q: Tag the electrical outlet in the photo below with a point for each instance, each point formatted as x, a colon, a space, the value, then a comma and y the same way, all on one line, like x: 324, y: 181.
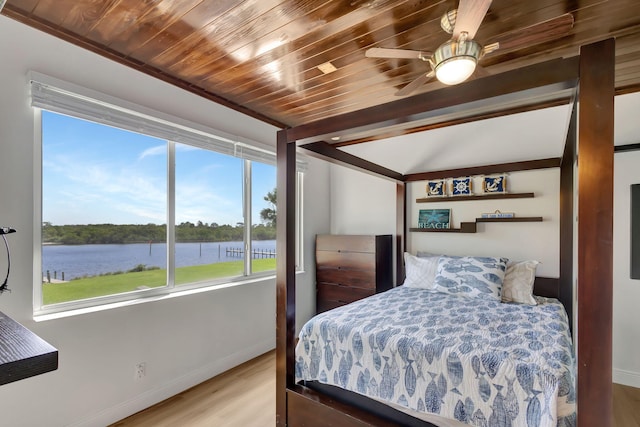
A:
x: 140, y: 371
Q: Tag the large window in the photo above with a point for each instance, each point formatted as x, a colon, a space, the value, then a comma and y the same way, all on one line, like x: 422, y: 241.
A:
x: 127, y: 214
x: 263, y: 226
x: 209, y: 215
x: 104, y: 210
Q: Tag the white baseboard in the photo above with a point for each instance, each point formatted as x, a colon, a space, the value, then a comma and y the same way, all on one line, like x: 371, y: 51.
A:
x: 629, y: 378
x: 151, y: 397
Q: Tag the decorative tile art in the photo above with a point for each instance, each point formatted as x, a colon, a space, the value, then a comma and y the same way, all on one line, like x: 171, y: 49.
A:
x: 437, y: 188
x: 461, y: 186
x: 494, y: 184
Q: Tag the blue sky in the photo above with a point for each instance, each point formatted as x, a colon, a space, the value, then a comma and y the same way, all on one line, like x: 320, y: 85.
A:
x: 94, y: 174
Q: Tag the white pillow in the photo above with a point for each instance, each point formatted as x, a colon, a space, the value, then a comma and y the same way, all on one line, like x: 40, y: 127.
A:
x: 422, y: 254
x: 471, y: 277
x: 419, y: 272
x: 518, y: 282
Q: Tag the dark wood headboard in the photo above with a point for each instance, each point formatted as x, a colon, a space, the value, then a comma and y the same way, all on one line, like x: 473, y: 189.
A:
x: 547, y: 287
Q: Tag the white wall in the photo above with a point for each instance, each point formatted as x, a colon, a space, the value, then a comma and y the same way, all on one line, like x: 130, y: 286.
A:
x: 317, y: 220
x: 361, y: 203
x: 184, y: 340
x: 517, y: 240
x: 626, y: 291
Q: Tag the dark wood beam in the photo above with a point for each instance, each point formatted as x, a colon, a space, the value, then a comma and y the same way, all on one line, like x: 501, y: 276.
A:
x: 567, y: 216
x: 458, y: 121
x: 332, y: 154
x: 628, y: 89
x: 626, y: 147
x: 635, y: 232
x: 553, y: 162
x: 482, y: 116
x: 285, y: 275
x: 401, y: 230
x: 595, y: 233
x: 524, y: 86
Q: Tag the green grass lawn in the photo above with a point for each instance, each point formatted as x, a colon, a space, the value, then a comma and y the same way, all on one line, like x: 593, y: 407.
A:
x: 97, y: 286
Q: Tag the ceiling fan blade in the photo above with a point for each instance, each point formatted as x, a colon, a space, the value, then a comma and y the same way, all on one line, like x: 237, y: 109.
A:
x: 469, y: 17
x: 415, y: 84
x: 537, y: 33
x: 380, y: 52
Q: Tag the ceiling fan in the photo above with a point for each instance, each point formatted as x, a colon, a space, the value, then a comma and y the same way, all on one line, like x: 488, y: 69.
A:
x: 455, y: 60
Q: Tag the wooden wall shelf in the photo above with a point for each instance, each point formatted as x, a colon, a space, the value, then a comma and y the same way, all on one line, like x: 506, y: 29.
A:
x: 465, y: 227
x: 471, y: 227
x: 514, y: 219
x: 475, y: 197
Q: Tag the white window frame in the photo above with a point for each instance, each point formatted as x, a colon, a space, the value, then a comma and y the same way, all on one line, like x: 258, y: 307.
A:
x: 66, y: 98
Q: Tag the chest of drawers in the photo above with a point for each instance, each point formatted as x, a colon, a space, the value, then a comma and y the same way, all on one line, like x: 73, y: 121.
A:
x: 351, y: 267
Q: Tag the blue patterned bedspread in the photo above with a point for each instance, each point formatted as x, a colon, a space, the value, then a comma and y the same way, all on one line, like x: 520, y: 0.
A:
x: 481, y: 362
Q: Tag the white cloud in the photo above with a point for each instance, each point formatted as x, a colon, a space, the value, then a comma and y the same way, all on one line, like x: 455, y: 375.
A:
x: 154, y: 151
x: 82, y: 190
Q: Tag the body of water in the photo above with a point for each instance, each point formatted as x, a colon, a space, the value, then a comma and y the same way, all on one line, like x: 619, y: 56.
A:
x: 91, y: 260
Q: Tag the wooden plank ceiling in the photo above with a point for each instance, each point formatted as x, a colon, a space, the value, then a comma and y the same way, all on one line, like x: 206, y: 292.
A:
x: 261, y: 56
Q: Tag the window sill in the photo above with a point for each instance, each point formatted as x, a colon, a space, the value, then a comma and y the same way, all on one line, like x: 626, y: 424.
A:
x: 150, y: 298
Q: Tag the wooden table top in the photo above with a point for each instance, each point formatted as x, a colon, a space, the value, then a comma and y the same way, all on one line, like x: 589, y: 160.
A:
x: 23, y: 354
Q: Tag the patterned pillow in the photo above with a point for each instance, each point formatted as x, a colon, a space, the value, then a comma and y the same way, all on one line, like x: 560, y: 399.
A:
x: 518, y: 282
x: 419, y: 272
x: 471, y: 277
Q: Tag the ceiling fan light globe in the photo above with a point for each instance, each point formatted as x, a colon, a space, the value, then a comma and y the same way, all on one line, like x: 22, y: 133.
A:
x: 454, y: 62
x: 455, y: 70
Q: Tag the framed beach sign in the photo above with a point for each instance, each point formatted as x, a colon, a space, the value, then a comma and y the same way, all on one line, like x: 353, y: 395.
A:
x: 434, y: 218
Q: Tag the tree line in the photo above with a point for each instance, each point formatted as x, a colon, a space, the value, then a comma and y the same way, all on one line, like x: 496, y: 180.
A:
x: 143, y: 233
x: 186, y: 232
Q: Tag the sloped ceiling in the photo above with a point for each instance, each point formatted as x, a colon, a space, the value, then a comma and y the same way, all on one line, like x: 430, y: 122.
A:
x: 525, y: 136
x: 532, y: 135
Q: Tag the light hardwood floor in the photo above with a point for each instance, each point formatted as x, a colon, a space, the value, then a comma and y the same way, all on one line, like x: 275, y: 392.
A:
x: 245, y: 397
x: 626, y: 406
x: 241, y: 397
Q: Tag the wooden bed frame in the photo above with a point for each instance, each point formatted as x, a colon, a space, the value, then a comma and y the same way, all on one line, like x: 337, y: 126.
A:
x: 587, y: 81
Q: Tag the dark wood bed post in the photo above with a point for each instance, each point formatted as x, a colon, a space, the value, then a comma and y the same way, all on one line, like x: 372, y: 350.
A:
x: 401, y: 229
x: 286, y: 274
x: 595, y: 233
x: 567, y: 215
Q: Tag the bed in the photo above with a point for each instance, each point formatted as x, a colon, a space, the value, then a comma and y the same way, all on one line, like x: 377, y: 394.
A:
x: 476, y: 360
x: 586, y: 258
